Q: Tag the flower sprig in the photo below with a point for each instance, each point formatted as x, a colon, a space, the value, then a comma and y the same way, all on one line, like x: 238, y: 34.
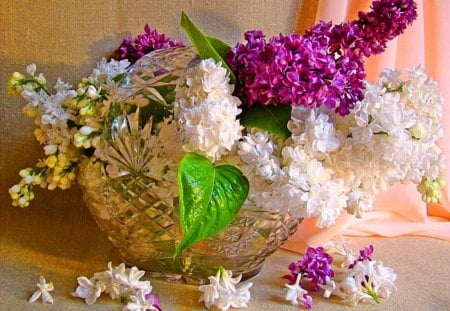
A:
x: 68, y: 123
x: 43, y: 291
x: 335, y: 271
x: 120, y: 283
x: 223, y: 292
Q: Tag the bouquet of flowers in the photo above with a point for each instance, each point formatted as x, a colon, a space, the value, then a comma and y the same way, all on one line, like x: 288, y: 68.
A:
x: 287, y: 123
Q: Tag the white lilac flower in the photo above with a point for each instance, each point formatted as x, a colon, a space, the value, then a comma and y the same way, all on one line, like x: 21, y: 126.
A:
x: 109, y: 69
x: 305, y: 187
x: 50, y: 149
x: 376, y: 279
x: 31, y: 69
x: 391, y: 78
x: 359, y: 279
x: 328, y: 288
x: 295, y: 294
x: 141, y: 302
x: 326, y: 202
x: 223, y: 293
x: 89, y: 289
x: 207, y: 112
x: 210, y: 127
x: 43, y: 291
x: 118, y: 282
x: 131, y: 280
x: 257, y: 154
x: 313, y: 130
x: 206, y: 80
x: 110, y: 279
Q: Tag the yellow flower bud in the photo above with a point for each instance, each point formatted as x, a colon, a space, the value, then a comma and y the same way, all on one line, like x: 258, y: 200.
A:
x: 40, y: 135
x: 51, y: 161
x: 64, y: 181
x: 441, y: 181
x: 24, y: 172
x: 71, y: 176
x: 29, y: 111
x: 58, y: 170
x: 41, y: 79
x: 14, y: 87
x: 62, y: 160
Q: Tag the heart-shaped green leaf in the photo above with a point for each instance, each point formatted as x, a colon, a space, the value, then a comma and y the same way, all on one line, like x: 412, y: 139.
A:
x: 269, y: 118
x: 210, y: 197
x: 206, y: 46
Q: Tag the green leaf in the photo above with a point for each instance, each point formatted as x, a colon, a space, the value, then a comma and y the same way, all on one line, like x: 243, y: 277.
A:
x: 269, y: 118
x: 154, y: 110
x: 203, y: 45
x: 221, y: 47
x: 119, y: 77
x: 210, y: 197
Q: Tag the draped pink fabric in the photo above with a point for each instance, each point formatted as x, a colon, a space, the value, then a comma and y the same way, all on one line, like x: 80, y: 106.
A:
x: 399, y: 211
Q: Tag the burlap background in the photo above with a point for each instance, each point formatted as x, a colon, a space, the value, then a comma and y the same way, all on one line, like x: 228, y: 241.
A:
x: 56, y: 236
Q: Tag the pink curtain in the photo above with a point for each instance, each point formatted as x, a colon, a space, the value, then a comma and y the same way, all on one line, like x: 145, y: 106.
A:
x: 399, y: 211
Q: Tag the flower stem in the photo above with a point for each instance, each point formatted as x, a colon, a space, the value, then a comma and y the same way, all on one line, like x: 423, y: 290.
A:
x: 40, y: 85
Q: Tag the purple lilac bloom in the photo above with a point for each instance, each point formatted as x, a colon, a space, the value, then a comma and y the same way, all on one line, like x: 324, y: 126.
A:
x: 315, y: 267
x: 155, y: 299
x: 386, y: 20
x: 308, y: 302
x: 145, y: 42
x: 325, y: 66
x: 364, y: 254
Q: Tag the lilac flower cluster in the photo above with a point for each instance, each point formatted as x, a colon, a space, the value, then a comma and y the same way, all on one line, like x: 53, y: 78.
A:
x: 323, y: 67
x: 145, y: 42
x: 386, y: 20
x: 314, y: 267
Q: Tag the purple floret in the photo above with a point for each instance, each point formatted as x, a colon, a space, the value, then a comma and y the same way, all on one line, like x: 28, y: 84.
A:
x: 145, y: 42
x: 155, y: 300
x: 364, y: 254
x: 314, y: 267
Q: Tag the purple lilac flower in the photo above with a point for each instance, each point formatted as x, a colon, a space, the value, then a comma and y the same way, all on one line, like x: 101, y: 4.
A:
x: 308, y: 302
x: 155, y: 299
x: 364, y: 254
x: 325, y: 66
x: 386, y: 20
x: 145, y: 42
x: 315, y: 267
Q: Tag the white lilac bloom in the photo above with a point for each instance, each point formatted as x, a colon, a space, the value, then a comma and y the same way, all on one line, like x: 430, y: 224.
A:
x: 210, y: 127
x: 141, y: 302
x: 358, y: 279
x: 131, y: 280
x: 295, y: 294
x: 206, y: 80
x: 118, y: 282
x: 257, y: 154
x: 318, y: 132
x: 306, y: 188
x: 110, y: 279
x: 376, y: 279
x: 223, y: 292
x: 207, y: 112
x: 109, y: 69
x: 89, y: 289
x: 43, y: 291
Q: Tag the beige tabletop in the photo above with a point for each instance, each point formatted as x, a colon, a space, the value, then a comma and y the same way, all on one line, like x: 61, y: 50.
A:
x: 36, y: 243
